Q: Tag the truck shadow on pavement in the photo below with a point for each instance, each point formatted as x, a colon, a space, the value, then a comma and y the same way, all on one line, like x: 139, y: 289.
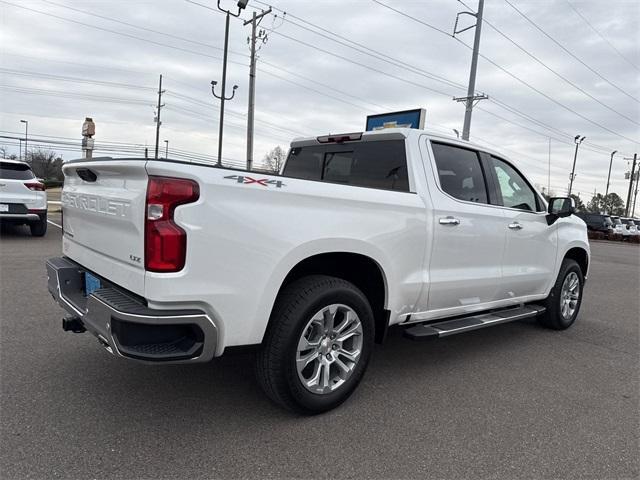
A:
x: 226, y: 388
x: 15, y: 231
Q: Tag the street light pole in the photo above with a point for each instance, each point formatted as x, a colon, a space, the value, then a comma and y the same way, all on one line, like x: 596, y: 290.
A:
x: 223, y: 96
x: 26, y: 137
x: 577, y: 141
x: 606, y: 192
x: 166, y: 149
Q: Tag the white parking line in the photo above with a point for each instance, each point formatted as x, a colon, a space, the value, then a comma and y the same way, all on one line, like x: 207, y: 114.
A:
x: 54, y: 224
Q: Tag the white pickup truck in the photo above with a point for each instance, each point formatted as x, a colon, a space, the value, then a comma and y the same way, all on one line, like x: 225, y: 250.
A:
x: 174, y: 262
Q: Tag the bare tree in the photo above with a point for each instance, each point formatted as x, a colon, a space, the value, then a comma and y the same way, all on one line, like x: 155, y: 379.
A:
x: 274, y: 160
x: 46, y: 164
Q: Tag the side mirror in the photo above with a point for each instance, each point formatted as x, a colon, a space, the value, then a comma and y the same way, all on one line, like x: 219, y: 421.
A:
x: 560, y: 207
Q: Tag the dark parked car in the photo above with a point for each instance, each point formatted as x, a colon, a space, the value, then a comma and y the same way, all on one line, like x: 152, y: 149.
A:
x: 597, y: 222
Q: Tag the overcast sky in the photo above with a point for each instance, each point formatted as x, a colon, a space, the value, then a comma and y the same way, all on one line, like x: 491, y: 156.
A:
x: 63, y: 60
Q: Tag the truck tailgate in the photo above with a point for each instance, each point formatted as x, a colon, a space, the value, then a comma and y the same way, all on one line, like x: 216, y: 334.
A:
x: 103, y: 205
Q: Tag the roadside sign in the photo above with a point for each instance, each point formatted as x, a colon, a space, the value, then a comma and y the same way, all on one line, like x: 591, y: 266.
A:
x: 404, y: 119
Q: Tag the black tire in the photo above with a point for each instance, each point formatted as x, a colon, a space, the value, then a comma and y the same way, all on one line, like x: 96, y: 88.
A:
x: 276, y: 360
x: 39, y: 228
x: 552, y: 317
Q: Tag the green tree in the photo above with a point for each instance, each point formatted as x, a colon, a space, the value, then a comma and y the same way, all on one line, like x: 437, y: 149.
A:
x: 611, y: 204
x: 580, y: 206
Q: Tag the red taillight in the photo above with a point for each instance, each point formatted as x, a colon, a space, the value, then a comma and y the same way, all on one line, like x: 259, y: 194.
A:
x: 35, y: 186
x: 166, y: 242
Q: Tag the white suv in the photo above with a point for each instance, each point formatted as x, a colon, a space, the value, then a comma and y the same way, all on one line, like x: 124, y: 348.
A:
x: 23, y: 199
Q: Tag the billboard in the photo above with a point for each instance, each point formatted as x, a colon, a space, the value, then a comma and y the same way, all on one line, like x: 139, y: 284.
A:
x: 405, y: 119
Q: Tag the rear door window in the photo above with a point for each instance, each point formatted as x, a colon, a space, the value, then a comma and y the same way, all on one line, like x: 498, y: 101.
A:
x: 15, y: 171
x: 375, y: 164
x: 460, y: 172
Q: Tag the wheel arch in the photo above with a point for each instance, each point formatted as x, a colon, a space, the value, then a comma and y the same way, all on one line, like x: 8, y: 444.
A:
x: 581, y: 257
x: 359, y: 269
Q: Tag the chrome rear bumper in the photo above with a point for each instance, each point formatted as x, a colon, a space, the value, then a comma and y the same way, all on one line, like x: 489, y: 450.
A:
x: 123, y: 323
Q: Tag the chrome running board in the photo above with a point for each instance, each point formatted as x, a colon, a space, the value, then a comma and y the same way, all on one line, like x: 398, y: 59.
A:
x: 465, y: 324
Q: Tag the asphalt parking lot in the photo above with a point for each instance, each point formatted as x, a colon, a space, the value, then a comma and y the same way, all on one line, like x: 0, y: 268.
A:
x: 514, y: 401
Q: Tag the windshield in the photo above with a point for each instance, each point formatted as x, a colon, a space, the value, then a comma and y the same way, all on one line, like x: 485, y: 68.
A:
x: 607, y: 221
x: 616, y: 221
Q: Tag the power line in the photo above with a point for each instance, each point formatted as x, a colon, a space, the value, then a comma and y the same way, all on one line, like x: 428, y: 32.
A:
x: 557, y: 74
x: 170, y: 46
x: 115, y: 20
x: 355, y: 62
x: 501, y: 104
x: 515, y: 77
x: 153, y: 42
x: 275, y: 75
x: 58, y: 93
x: 333, y: 89
x: 103, y: 147
x: 64, y: 78
x: 602, y: 36
x: 203, y: 116
x: 363, y: 49
x: 231, y: 112
x: 404, y: 14
x: 570, y: 52
x: 93, y: 67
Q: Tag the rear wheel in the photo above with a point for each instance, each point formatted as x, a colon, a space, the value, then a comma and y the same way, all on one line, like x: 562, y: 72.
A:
x: 39, y: 228
x: 564, y: 300
x: 318, y: 345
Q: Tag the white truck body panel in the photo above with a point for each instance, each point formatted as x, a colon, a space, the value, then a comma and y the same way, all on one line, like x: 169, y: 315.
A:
x: 104, y: 221
x: 242, y: 249
x: 243, y: 240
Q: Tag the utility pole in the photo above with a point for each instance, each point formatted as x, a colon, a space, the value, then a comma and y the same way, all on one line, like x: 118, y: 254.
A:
x: 158, y: 121
x: 633, y: 174
x: 255, y: 21
x: 635, y: 195
x: 26, y: 139
x: 471, y: 97
x: 549, y: 171
x: 606, y: 192
x: 577, y: 140
x: 166, y: 151
x: 223, y: 96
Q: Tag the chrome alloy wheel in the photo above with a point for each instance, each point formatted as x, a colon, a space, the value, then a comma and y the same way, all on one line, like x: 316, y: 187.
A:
x: 329, y: 348
x: 569, y: 295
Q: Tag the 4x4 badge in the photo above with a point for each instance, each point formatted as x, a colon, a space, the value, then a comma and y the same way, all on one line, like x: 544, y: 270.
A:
x: 265, y: 182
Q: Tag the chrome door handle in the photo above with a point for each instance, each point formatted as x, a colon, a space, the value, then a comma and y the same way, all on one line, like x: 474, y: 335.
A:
x: 515, y: 226
x: 449, y: 221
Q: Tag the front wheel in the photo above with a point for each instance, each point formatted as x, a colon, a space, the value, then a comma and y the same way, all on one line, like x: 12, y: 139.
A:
x: 318, y: 344
x: 564, y: 300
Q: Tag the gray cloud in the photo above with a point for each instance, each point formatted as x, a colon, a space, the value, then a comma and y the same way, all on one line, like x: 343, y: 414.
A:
x: 42, y: 43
